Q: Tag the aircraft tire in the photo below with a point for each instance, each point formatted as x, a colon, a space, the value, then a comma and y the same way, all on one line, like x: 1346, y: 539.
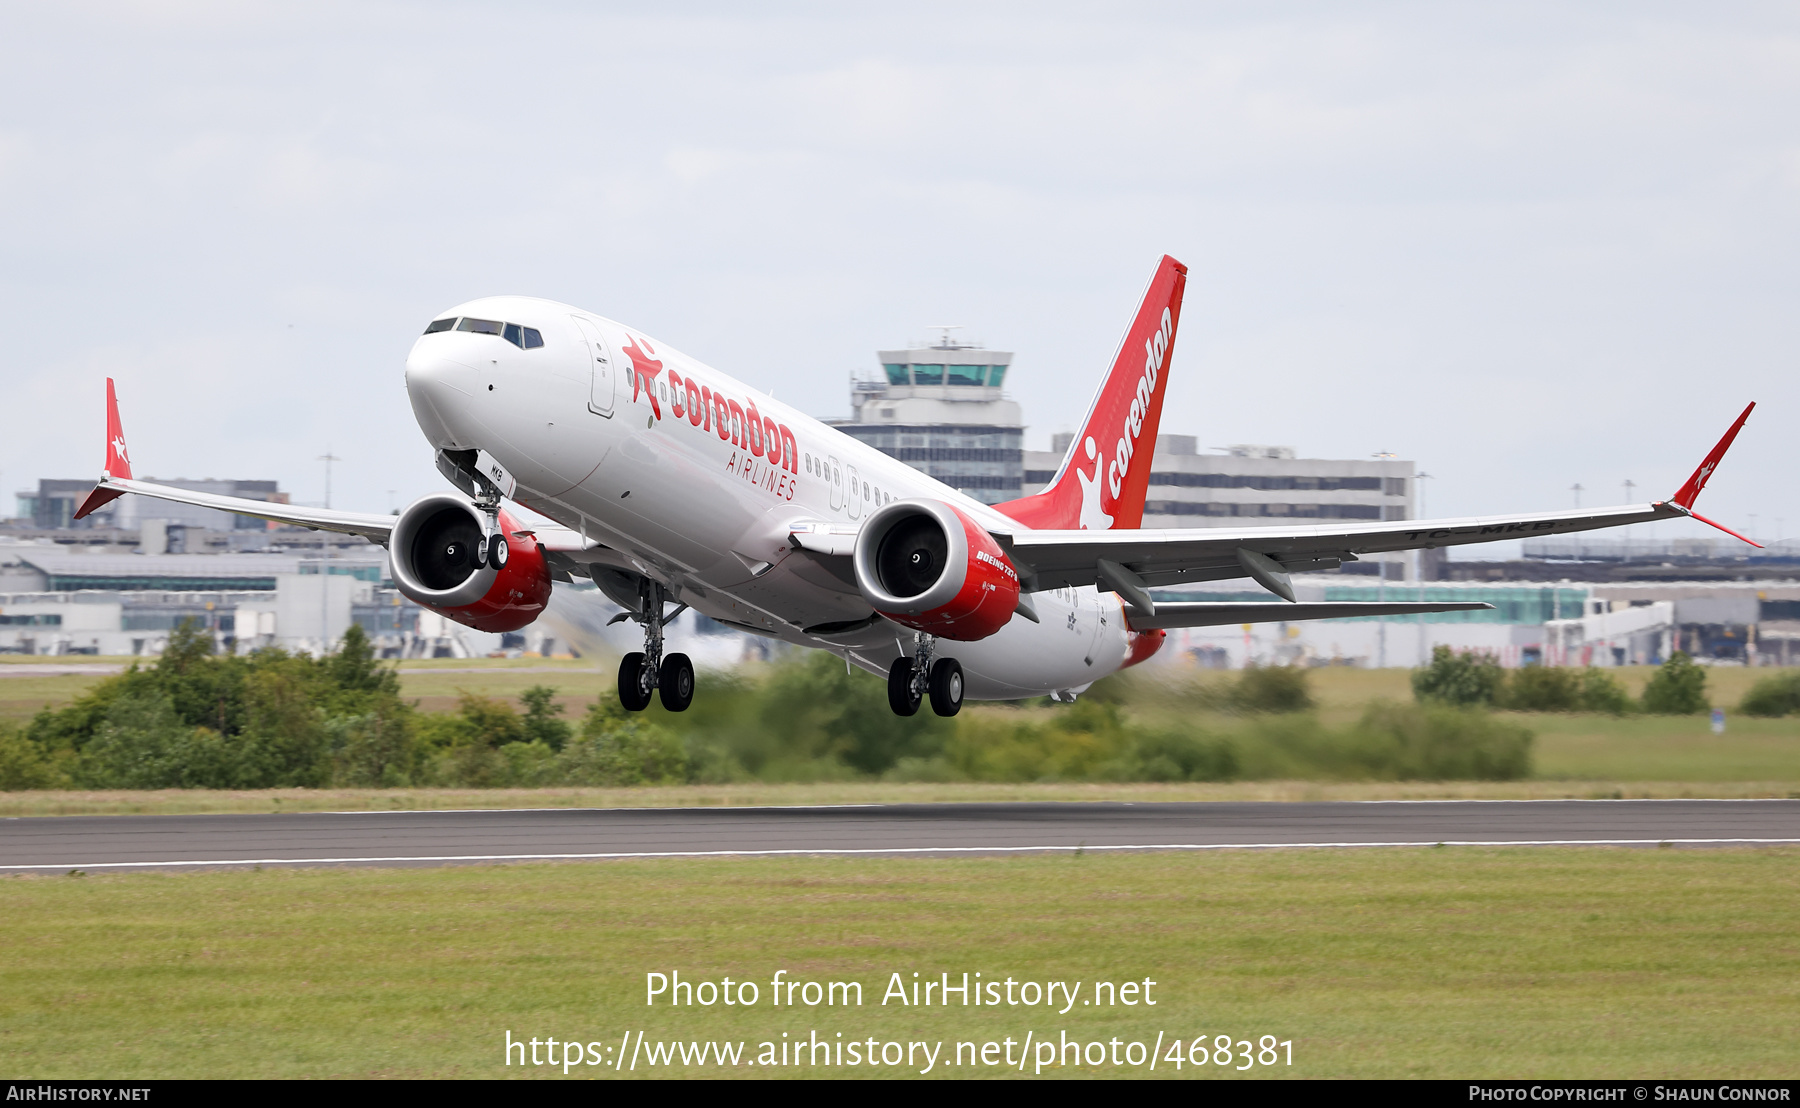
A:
x: 632, y: 693
x: 901, y: 697
x: 676, y: 685
x: 946, y: 686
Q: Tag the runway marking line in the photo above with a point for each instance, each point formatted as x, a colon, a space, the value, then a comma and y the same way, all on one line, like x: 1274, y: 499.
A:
x: 1066, y: 803
x: 893, y: 850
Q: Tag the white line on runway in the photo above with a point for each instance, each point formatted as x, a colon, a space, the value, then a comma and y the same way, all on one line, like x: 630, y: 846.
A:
x: 890, y: 850
x: 1062, y: 803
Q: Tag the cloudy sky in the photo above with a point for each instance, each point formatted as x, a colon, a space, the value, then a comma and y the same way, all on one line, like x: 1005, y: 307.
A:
x: 1527, y: 245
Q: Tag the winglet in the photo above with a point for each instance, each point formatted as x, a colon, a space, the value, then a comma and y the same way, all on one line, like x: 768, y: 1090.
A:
x: 1686, y: 495
x: 118, y: 458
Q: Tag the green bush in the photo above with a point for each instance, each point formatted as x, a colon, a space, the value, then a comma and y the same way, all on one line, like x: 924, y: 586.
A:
x: 1677, y: 689
x: 1413, y: 742
x: 23, y: 765
x: 1272, y: 689
x: 1553, y: 689
x: 1541, y: 689
x: 193, y: 719
x: 1600, y: 692
x: 1466, y: 679
x: 1773, y: 696
x: 617, y: 748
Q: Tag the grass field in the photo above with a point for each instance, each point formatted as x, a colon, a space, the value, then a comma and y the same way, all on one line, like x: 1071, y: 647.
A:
x: 1451, y: 962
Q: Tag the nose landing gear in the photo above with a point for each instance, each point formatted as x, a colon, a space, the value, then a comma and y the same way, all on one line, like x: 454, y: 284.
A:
x: 642, y: 673
x: 912, y: 679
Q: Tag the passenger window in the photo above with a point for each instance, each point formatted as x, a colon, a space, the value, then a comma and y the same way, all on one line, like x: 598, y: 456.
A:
x: 511, y: 334
x: 480, y: 326
x: 440, y: 325
x: 533, y: 339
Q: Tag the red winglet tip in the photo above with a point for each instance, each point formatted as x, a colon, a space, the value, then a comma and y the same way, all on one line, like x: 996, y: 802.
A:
x: 1689, y: 492
x: 1727, y: 530
x: 96, y: 499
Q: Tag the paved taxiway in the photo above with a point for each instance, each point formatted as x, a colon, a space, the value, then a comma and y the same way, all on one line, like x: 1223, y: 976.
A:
x: 447, y: 837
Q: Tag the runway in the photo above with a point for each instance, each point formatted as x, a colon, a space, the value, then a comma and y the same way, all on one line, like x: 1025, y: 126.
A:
x: 451, y: 837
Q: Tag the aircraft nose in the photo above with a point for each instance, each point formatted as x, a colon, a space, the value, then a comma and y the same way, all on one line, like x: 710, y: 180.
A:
x: 439, y: 387
x: 433, y: 371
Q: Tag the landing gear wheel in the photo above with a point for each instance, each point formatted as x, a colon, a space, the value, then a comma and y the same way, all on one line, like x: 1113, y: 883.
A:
x: 946, y: 686
x: 632, y: 693
x: 497, y: 551
x: 677, y: 683
x: 903, y: 698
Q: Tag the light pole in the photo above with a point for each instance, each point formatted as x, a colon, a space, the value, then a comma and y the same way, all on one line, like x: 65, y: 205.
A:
x: 328, y: 457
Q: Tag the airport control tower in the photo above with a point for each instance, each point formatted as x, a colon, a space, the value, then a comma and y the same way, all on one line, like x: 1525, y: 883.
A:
x: 941, y: 409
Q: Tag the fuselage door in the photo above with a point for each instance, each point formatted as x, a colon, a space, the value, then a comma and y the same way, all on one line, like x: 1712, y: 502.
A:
x: 853, y: 491
x: 600, y: 395
x: 834, y: 479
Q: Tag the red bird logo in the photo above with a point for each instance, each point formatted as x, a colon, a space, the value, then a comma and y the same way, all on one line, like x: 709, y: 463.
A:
x: 644, y: 369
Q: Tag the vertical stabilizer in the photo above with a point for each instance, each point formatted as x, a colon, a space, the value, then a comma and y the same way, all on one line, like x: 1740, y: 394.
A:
x: 1103, y: 479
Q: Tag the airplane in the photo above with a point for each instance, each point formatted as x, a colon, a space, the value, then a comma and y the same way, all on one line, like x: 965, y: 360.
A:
x: 670, y: 483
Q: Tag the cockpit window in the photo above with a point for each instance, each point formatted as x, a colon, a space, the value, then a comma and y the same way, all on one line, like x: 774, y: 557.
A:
x: 525, y: 338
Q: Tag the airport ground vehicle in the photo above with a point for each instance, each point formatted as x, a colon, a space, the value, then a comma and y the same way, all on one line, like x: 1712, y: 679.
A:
x: 672, y: 483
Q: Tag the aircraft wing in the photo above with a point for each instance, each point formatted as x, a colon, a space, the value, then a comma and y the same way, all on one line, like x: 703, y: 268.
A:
x: 1222, y: 614
x: 1130, y: 562
x: 1063, y: 558
x: 116, y: 480
x: 375, y: 528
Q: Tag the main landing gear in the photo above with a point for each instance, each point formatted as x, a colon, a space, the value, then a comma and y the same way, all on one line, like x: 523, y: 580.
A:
x: 649, y: 671
x: 912, y: 679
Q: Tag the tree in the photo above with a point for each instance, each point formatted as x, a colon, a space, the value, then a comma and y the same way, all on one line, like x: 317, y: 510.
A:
x: 1677, y: 689
x: 1460, y: 679
x: 541, y: 724
x: 1773, y: 696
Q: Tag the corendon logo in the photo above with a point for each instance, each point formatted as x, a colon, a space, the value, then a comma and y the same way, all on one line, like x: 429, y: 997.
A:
x: 1093, y: 516
x: 1156, y: 348
x: 643, y: 371
x: 118, y: 445
x: 767, y: 453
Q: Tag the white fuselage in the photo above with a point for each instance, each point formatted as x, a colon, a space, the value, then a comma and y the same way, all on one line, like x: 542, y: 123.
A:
x: 654, y: 478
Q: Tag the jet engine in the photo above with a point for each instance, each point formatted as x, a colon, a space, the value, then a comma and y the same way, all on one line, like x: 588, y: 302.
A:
x: 926, y: 565
x: 442, y: 561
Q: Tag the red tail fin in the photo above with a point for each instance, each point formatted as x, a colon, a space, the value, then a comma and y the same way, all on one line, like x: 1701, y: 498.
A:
x: 1102, y: 482
x: 118, y: 459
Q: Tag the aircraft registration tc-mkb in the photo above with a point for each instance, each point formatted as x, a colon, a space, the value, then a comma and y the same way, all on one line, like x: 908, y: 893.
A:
x: 672, y: 484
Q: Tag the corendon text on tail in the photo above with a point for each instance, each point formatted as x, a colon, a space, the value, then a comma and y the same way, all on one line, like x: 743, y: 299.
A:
x: 673, y: 484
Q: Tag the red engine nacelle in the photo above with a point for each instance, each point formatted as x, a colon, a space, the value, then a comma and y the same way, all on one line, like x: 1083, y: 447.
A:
x: 434, y: 549
x: 925, y: 565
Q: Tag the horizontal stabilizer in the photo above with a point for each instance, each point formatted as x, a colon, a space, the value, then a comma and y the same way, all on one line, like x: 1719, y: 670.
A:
x: 1223, y: 614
